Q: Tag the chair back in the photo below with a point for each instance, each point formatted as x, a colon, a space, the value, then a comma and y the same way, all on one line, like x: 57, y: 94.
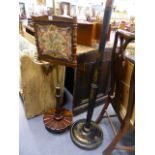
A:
x: 123, y: 76
x: 56, y: 40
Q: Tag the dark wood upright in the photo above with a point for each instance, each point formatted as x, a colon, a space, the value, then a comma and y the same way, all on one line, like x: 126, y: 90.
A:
x: 56, y: 43
x: 59, y: 119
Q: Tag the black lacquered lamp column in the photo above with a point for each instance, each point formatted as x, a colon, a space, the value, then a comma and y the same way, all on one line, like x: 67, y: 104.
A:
x: 85, y: 133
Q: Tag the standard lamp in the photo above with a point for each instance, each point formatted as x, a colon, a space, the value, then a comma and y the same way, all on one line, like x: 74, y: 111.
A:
x: 85, y: 133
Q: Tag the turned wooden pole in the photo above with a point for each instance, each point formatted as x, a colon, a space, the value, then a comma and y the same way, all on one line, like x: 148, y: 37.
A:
x: 58, y: 95
x: 58, y: 101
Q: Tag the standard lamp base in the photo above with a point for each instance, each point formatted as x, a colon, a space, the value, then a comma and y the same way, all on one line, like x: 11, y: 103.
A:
x: 86, y: 138
x: 57, y: 123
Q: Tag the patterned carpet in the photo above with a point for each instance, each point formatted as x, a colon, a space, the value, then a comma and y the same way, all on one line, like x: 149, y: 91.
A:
x: 34, y: 139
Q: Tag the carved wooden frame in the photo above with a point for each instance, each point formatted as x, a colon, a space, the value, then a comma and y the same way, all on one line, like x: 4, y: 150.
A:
x: 64, y: 23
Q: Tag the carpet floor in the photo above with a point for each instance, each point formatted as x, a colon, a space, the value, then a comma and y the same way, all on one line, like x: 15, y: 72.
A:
x: 34, y: 139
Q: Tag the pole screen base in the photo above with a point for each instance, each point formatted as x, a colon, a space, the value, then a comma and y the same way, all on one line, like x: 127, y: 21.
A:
x: 57, y: 123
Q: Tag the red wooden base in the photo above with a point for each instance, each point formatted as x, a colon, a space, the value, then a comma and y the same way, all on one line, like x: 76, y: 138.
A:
x: 57, y: 123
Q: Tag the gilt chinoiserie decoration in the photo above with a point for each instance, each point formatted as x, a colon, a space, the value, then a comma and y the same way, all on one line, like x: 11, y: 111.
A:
x: 85, y: 133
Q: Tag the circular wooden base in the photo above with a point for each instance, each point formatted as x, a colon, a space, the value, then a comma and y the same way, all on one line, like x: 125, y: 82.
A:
x: 86, y: 138
x: 57, y: 123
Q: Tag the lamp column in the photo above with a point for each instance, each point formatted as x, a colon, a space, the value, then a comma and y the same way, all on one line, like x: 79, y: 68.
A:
x: 85, y: 133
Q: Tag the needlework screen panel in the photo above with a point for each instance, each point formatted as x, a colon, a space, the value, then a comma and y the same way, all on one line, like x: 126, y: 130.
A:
x: 54, y: 41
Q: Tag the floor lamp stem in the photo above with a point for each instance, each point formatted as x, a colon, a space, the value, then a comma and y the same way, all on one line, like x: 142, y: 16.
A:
x: 94, y: 84
x: 85, y: 133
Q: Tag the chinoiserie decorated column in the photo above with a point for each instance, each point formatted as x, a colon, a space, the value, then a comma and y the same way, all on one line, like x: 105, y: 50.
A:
x: 85, y: 133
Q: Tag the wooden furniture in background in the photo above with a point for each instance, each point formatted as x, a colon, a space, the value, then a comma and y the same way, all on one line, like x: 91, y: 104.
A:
x: 63, y: 18
x: 39, y: 18
x: 85, y: 33
x: 88, y: 33
x: 122, y: 91
x: 28, y: 33
x: 98, y: 30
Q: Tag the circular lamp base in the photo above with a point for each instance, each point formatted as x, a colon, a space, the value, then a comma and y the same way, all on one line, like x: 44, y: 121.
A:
x: 86, y: 138
x: 57, y: 123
